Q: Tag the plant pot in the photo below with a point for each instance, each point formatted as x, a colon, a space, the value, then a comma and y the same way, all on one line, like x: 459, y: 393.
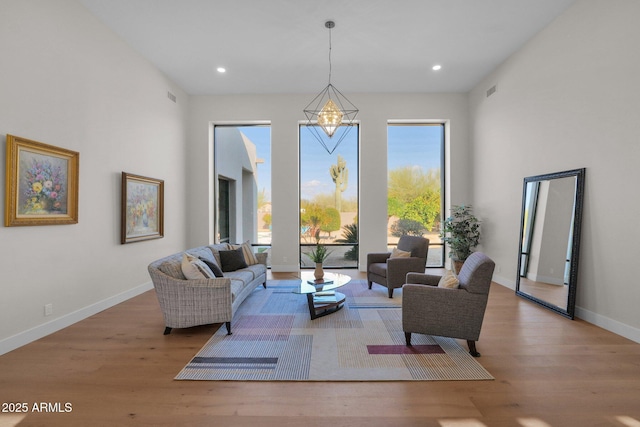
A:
x: 456, y: 265
x: 318, y: 273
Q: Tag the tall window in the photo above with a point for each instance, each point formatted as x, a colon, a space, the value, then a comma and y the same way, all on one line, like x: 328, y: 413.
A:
x: 329, y: 199
x: 243, y: 173
x: 415, y: 190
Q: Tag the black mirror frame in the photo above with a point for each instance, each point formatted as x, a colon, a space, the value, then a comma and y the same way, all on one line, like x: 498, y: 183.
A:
x: 575, y: 252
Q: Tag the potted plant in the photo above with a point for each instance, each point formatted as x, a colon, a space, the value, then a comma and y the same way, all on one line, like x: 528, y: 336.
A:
x: 461, y: 231
x: 319, y: 255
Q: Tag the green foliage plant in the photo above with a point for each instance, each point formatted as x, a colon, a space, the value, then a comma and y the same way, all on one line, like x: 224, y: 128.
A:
x: 407, y: 227
x: 267, y: 220
x: 414, y: 194
x: 313, y: 217
x: 319, y: 254
x: 461, y: 231
x: 350, y: 233
x: 331, y: 220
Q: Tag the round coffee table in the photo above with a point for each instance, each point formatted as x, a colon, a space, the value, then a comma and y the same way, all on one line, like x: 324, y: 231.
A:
x: 321, y: 296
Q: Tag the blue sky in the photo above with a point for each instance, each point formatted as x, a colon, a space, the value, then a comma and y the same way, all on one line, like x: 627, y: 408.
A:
x: 408, y: 146
x: 316, y: 162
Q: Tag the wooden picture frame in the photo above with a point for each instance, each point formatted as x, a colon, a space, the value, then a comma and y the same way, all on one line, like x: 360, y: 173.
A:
x: 142, y: 208
x: 41, y: 184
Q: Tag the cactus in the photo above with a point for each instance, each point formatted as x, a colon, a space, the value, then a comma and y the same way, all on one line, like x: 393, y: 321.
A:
x: 340, y: 175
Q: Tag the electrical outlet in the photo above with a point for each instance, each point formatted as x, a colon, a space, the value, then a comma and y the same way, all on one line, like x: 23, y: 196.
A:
x: 498, y: 269
x: 48, y: 309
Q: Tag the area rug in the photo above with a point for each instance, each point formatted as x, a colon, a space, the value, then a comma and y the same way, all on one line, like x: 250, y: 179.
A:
x: 275, y: 339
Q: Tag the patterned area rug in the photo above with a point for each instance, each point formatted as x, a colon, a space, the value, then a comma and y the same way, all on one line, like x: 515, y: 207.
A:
x: 275, y: 339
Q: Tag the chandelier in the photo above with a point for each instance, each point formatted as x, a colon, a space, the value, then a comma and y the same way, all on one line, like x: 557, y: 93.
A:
x: 330, y: 111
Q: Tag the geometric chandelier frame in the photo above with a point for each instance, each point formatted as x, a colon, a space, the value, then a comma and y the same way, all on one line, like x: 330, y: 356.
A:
x: 330, y: 111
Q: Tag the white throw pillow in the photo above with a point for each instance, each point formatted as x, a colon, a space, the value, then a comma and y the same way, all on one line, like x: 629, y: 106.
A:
x: 193, y: 268
x: 449, y: 281
x: 397, y: 253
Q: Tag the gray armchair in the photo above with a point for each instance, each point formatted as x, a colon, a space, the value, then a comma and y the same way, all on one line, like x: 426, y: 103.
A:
x: 456, y: 313
x: 392, y: 272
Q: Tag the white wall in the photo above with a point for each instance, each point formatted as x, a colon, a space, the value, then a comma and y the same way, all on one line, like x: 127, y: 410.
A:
x: 284, y: 112
x: 569, y: 99
x: 67, y: 81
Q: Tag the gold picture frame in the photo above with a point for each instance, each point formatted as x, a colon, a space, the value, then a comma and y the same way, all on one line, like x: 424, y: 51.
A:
x: 142, y: 208
x: 41, y: 184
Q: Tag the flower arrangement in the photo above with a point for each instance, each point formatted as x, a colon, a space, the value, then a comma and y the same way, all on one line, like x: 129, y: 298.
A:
x: 44, y: 187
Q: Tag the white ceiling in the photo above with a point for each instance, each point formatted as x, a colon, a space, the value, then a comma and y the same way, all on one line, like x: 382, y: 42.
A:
x: 282, y: 46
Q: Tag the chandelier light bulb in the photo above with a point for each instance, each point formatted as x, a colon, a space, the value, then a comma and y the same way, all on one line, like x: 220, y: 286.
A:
x: 330, y: 118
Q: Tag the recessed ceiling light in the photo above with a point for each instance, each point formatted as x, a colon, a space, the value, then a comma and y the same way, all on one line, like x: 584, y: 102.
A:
x: 436, y: 67
x: 221, y: 70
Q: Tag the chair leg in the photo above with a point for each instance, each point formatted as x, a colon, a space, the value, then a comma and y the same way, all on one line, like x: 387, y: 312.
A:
x: 390, y: 292
x: 167, y: 330
x: 407, y: 337
x: 264, y: 285
x: 228, y: 324
x: 370, y: 283
x: 472, y: 348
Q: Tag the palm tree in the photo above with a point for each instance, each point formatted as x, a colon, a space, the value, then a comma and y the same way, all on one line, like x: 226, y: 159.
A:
x: 350, y: 236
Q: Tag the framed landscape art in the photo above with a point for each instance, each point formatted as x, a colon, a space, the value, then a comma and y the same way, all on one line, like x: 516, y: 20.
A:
x: 142, y: 208
x: 41, y: 184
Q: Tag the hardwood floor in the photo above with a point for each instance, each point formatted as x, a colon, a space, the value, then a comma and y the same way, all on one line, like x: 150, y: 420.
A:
x: 116, y: 369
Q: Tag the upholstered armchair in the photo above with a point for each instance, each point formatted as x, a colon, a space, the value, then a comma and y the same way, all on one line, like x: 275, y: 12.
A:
x: 456, y: 313
x: 390, y: 270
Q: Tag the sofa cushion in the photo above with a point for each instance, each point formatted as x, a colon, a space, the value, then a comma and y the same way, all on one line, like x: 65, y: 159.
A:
x: 213, y: 266
x: 203, y: 252
x: 379, y: 268
x: 215, y: 250
x: 193, y: 268
x: 257, y: 269
x: 246, y: 276
x: 247, y: 251
x: 232, y: 260
x: 236, y: 287
x: 173, y: 267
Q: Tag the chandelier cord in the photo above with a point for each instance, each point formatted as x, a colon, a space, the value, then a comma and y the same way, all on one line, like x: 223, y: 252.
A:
x: 329, y: 55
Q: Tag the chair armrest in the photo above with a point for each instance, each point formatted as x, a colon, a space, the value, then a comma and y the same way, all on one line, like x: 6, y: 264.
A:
x: 262, y: 257
x: 432, y: 304
x: 423, y: 279
x: 397, y: 269
x: 375, y: 257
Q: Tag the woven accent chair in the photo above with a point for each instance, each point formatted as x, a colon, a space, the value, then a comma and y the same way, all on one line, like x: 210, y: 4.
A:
x: 392, y: 272
x: 455, y: 313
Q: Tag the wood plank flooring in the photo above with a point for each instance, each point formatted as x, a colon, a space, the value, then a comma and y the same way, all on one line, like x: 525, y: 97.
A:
x: 116, y: 369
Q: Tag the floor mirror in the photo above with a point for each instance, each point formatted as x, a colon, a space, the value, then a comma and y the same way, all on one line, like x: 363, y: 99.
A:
x: 550, y: 239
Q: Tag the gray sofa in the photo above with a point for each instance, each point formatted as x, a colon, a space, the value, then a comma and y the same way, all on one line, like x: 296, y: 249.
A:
x: 185, y: 303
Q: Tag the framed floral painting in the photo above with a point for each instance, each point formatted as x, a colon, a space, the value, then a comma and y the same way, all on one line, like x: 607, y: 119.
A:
x: 142, y: 208
x: 41, y: 184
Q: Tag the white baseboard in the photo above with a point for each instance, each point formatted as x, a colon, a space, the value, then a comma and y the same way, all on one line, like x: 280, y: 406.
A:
x: 507, y: 283
x: 285, y: 268
x: 603, y: 322
x: 35, y: 333
x: 610, y: 325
